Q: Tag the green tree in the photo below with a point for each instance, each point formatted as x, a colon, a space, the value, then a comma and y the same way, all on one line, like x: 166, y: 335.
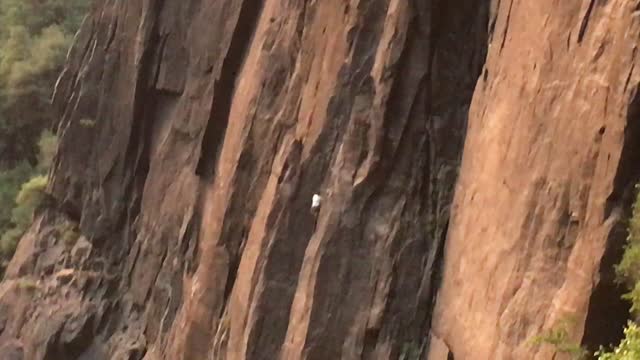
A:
x: 34, y: 39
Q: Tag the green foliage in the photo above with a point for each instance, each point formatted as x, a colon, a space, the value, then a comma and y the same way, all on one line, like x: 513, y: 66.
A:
x: 31, y: 191
x: 34, y: 40
x: 629, y: 348
x: 558, y: 337
x: 629, y: 272
x: 634, y: 298
x: 28, y: 199
x: 37, y: 15
x: 10, y: 183
x: 629, y: 268
x: 19, y: 194
x: 29, y: 70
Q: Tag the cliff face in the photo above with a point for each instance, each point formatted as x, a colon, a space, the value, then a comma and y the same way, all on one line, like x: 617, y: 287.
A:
x: 550, y: 162
x: 194, y: 134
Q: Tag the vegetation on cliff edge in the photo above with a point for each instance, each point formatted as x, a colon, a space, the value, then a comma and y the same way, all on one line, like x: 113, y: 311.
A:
x: 34, y: 40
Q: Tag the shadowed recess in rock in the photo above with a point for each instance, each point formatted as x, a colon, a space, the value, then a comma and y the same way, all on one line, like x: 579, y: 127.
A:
x: 225, y: 86
x: 608, y: 313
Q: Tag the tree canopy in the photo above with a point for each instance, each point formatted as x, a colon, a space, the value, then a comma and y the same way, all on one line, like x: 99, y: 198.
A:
x: 35, y: 36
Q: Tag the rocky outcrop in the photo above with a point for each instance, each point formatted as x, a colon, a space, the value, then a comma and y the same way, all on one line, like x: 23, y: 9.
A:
x: 194, y: 134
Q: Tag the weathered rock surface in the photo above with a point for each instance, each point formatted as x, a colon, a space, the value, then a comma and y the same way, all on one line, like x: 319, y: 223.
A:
x: 194, y: 134
x: 550, y: 161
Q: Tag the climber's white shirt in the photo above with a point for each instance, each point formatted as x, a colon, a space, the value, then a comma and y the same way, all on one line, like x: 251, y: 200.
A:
x: 315, y: 201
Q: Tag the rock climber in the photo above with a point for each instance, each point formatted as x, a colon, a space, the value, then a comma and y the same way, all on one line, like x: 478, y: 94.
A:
x: 315, y: 203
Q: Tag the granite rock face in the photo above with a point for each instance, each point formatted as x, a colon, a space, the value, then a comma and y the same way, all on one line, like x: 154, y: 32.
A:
x: 194, y: 134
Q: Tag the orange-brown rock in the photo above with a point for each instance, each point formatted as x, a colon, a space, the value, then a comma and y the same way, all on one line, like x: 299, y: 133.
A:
x: 195, y: 133
x: 550, y: 161
x: 193, y: 136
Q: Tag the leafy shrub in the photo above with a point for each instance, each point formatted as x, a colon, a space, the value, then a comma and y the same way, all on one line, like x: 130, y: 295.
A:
x: 23, y: 196
x: 558, y: 337
x: 28, y: 199
x: 634, y: 298
x: 34, y: 40
x: 629, y: 348
x: 32, y: 190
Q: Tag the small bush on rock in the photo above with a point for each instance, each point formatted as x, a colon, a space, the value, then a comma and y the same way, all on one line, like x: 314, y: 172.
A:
x: 558, y: 337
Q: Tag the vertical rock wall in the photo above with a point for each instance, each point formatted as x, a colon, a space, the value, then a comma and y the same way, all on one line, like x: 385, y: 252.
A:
x: 194, y: 134
x: 550, y: 161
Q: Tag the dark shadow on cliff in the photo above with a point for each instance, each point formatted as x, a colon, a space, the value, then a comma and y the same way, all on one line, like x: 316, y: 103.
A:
x: 608, y: 313
x: 225, y: 86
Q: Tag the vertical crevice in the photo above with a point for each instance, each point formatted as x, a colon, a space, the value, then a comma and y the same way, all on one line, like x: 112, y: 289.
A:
x: 454, y: 68
x: 224, y: 87
x: 608, y: 313
x: 505, y: 33
x: 137, y: 156
x: 493, y: 17
x: 585, y: 20
x: 438, y: 266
